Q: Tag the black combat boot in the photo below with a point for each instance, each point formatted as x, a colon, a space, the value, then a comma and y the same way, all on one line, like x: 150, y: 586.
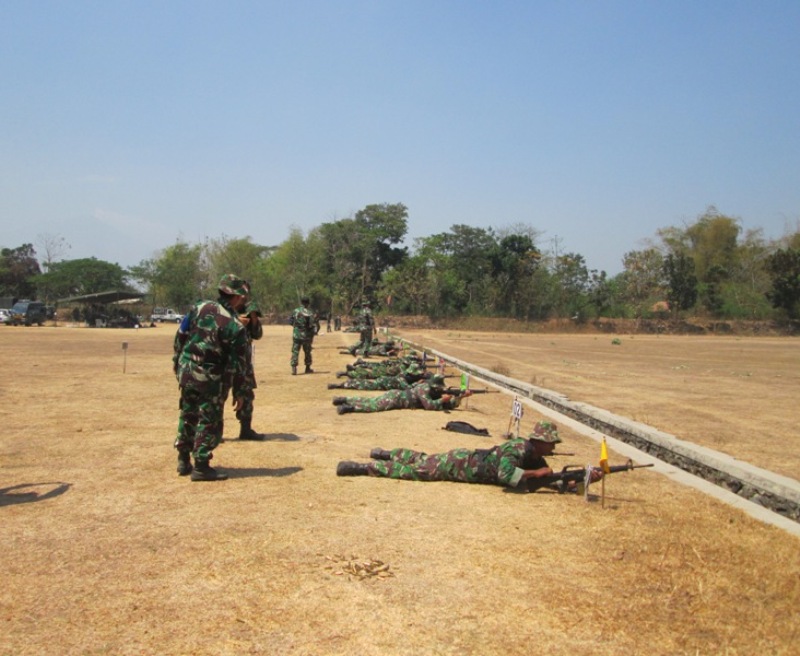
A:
x: 246, y: 431
x: 380, y: 454
x: 349, y: 468
x: 309, y: 370
x: 184, y: 463
x: 335, y: 386
x: 344, y: 409
x: 341, y: 374
x: 339, y: 400
x: 294, y: 371
x: 205, y: 472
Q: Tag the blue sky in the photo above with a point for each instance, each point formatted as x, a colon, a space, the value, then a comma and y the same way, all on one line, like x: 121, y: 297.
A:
x: 125, y: 126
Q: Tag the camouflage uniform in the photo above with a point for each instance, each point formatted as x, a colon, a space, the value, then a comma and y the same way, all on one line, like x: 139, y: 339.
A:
x: 389, y: 369
x: 500, y: 465
x: 304, y: 328
x: 504, y: 464
x: 426, y: 395
x: 379, y: 383
x: 254, y: 331
x: 366, y: 326
x: 210, y: 358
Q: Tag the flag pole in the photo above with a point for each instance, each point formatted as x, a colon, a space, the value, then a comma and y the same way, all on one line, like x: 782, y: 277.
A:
x: 606, y: 470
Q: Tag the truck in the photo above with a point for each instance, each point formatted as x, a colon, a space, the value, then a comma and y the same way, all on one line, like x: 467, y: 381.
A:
x: 165, y: 315
x: 27, y: 313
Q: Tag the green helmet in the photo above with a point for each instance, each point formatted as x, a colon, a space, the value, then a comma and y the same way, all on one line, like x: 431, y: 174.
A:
x: 545, y: 431
x: 437, y: 380
x: 234, y: 285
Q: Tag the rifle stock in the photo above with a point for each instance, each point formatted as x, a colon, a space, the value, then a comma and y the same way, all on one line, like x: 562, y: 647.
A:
x: 576, y: 474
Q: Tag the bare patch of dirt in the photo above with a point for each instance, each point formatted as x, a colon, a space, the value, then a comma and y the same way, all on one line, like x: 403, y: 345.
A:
x: 108, y: 551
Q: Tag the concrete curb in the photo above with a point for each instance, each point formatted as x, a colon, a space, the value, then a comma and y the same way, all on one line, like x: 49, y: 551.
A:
x: 767, y: 496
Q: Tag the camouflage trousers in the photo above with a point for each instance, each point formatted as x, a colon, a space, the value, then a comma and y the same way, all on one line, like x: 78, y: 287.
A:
x: 366, y: 341
x: 246, y: 411
x: 305, y: 345
x: 375, y: 372
x: 392, y: 400
x: 460, y: 465
x: 200, y: 423
x: 381, y: 383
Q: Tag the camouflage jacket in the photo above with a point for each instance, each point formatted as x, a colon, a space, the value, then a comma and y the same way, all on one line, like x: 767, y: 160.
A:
x: 304, y: 323
x: 211, y: 351
x: 505, y: 463
x: 366, y: 322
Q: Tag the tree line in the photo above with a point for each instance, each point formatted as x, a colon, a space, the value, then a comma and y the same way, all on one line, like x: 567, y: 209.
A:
x: 709, y: 268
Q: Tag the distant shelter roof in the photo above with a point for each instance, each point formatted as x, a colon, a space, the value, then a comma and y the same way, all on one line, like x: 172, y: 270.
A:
x: 104, y: 297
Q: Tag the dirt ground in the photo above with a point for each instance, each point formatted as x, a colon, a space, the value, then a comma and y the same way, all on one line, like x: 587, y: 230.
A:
x: 108, y: 551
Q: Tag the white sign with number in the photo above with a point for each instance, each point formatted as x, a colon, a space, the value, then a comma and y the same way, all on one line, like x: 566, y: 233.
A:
x: 516, y: 409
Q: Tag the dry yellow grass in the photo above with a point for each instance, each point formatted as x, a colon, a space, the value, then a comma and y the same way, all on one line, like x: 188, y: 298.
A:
x: 125, y: 557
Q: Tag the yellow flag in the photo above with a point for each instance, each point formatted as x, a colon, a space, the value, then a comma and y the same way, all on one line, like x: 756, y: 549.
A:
x: 604, y: 457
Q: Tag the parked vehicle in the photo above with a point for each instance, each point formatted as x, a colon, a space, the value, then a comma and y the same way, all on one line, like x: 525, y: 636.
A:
x: 165, y: 315
x: 4, y: 315
x: 27, y: 313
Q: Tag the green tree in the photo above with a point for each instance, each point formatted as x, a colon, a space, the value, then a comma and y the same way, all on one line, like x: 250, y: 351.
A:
x: 296, y: 268
x: 83, y: 276
x: 358, y: 251
x: 572, y: 278
x: 515, y: 260
x: 642, y: 279
x: 177, y: 277
x: 783, y: 267
x: 681, y: 282
x: 241, y: 257
x: 18, y: 271
x: 410, y: 287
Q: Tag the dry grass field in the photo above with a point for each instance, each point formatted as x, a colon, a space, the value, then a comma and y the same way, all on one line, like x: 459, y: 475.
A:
x: 738, y: 395
x: 107, y: 551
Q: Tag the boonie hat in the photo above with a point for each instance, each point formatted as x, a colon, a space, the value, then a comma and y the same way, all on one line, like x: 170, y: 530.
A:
x: 545, y: 431
x: 233, y: 284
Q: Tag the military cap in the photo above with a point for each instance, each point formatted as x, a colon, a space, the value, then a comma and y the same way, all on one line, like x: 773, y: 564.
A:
x: 234, y: 285
x: 365, y: 304
x: 252, y: 306
x: 438, y: 380
x: 545, y: 431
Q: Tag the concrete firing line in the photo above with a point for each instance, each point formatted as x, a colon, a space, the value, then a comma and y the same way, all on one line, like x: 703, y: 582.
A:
x: 764, y: 486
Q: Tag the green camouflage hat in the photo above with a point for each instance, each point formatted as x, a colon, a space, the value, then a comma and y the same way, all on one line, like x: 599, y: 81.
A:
x: 234, y: 285
x: 438, y: 380
x: 545, y: 431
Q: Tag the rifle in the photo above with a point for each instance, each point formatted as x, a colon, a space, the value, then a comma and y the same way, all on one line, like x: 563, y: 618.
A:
x: 575, y: 474
x: 457, y: 391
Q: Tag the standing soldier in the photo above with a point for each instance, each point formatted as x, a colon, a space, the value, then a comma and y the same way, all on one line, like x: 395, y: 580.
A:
x: 366, y: 325
x: 304, y: 329
x: 252, y: 323
x: 210, y: 358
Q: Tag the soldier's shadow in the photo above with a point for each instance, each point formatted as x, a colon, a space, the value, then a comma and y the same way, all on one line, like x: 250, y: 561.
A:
x: 261, y: 472
x: 267, y: 437
x: 27, y: 492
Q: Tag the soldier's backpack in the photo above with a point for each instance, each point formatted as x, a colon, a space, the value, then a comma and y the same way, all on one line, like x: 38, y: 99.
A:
x: 465, y: 427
